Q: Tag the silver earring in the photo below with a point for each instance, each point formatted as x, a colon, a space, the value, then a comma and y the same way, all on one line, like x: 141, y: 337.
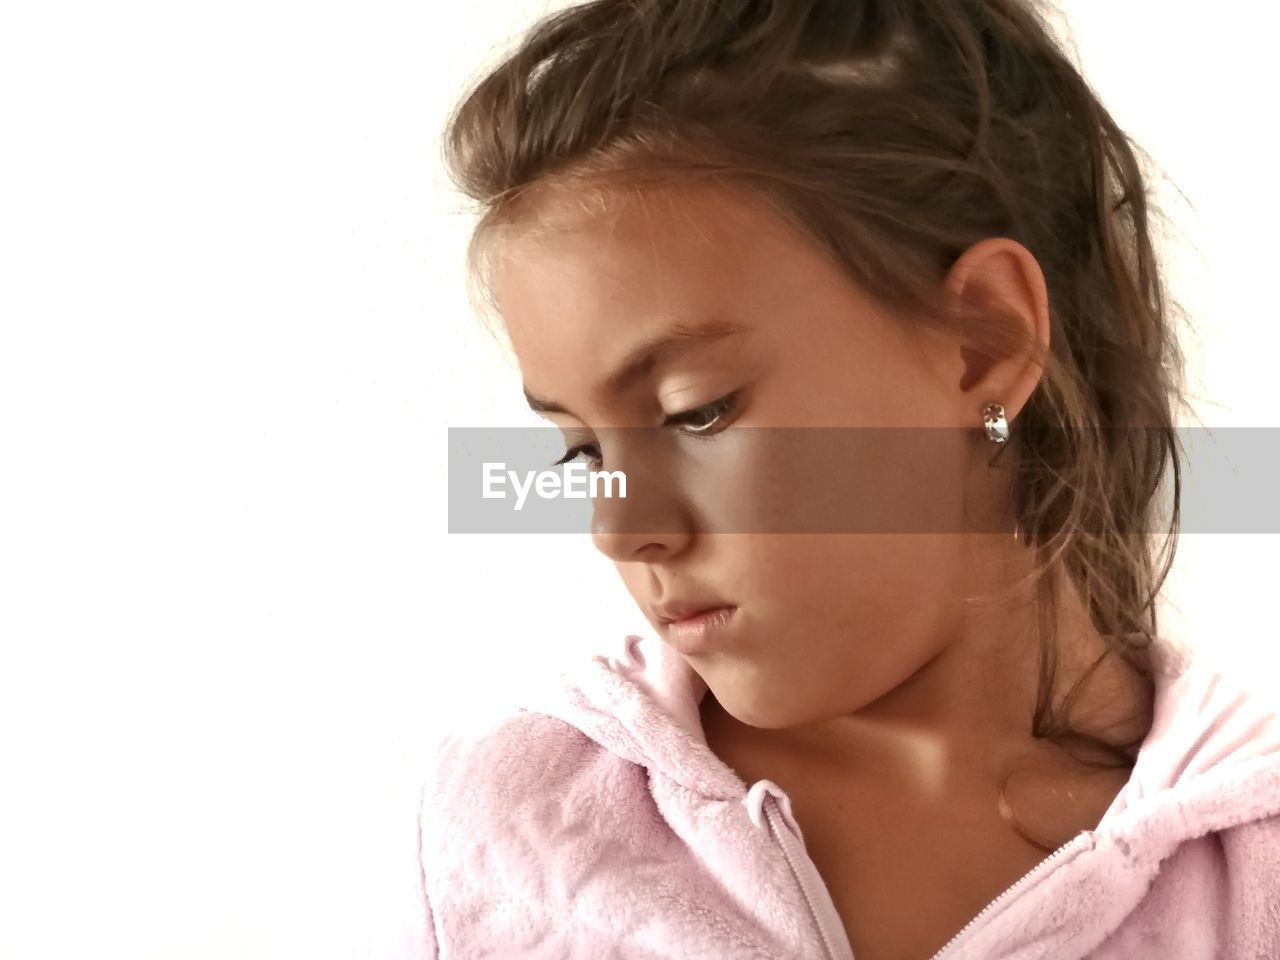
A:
x: 995, y: 424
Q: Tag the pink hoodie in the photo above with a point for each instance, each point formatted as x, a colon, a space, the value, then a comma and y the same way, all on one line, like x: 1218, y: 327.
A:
x: 596, y: 823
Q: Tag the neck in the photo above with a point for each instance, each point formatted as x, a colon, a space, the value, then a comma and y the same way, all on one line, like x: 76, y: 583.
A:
x: 971, y: 706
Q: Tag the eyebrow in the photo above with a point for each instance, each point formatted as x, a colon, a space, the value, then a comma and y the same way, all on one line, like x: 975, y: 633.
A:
x: 647, y: 354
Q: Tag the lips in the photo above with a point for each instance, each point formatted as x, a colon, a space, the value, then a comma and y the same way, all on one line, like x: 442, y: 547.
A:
x: 674, y: 610
x: 706, y: 627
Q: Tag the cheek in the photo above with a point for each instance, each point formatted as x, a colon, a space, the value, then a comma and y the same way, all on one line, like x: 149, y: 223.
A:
x: 633, y: 578
x: 889, y: 589
x: 826, y: 481
x: 836, y: 622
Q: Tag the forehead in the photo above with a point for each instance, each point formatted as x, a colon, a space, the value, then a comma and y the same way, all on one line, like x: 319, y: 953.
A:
x: 582, y: 285
x: 673, y: 235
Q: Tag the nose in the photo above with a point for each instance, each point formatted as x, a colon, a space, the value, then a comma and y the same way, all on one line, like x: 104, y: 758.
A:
x: 652, y: 521
x: 628, y: 547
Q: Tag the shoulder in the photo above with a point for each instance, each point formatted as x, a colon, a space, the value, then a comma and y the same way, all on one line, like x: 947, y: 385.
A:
x: 505, y: 757
x: 522, y: 822
x: 516, y: 773
x: 1252, y: 855
x: 1254, y: 848
x: 1233, y: 726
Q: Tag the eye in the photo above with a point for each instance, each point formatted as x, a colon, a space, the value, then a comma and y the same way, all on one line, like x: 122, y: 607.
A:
x: 708, y: 419
x: 595, y: 460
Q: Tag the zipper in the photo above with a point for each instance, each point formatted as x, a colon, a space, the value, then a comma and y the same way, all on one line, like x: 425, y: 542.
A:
x: 809, y: 880
x: 769, y: 808
x: 1079, y: 840
x: 782, y: 831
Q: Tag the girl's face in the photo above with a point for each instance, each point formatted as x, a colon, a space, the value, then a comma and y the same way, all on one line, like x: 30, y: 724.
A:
x: 825, y: 622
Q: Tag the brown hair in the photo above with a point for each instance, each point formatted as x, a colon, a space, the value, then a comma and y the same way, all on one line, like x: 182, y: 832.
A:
x: 895, y: 134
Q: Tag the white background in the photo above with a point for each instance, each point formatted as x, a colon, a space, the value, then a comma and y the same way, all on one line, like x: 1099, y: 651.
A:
x: 233, y: 330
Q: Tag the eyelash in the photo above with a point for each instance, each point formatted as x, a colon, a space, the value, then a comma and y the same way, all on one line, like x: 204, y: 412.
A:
x: 721, y: 408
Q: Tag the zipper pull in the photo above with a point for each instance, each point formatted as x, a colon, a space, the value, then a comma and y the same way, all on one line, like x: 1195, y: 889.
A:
x: 754, y: 802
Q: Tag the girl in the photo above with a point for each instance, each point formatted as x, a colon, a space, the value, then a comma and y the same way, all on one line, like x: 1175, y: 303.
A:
x: 941, y: 722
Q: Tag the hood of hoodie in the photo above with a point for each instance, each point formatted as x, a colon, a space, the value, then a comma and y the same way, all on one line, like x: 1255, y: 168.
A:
x: 1212, y: 753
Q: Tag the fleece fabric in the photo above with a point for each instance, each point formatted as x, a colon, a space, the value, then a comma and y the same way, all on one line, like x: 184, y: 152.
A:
x: 594, y: 822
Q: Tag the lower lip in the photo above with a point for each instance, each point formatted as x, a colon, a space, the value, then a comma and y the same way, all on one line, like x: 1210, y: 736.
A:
x: 699, y: 632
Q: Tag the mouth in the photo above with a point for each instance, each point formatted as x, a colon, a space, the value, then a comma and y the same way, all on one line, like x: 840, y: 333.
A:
x: 669, y: 613
x: 699, y: 630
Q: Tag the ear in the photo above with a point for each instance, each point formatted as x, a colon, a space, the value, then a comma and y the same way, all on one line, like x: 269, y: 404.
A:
x: 999, y: 288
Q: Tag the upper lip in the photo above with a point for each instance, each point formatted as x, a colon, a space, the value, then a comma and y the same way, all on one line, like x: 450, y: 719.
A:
x: 674, y: 610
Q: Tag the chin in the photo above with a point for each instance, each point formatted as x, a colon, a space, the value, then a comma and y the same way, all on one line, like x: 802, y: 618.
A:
x: 758, y: 710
